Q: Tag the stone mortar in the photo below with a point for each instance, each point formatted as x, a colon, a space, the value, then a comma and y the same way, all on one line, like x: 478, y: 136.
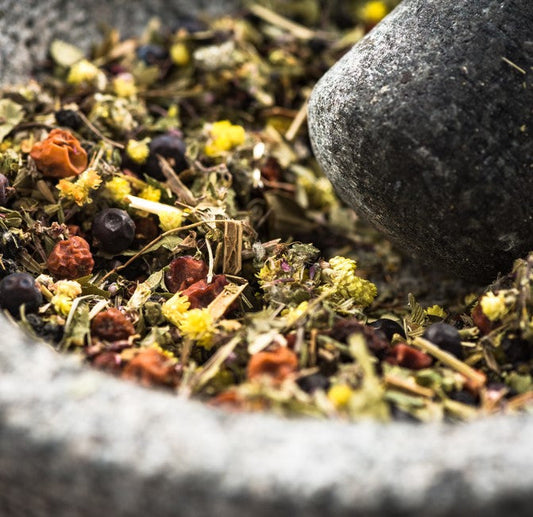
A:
x: 77, y: 442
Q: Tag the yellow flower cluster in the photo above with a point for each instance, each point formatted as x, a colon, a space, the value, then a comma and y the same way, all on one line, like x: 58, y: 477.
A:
x: 372, y: 12
x: 436, y: 310
x: 124, y: 85
x: 339, y: 395
x: 85, y: 72
x: 80, y: 189
x: 170, y: 219
x: 174, y: 308
x: 493, y: 305
x: 293, y: 314
x: 198, y: 325
x: 179, y: 54
x: 150, y: 193
x: 138, y: 151
x: 319, y: 191
x: 224, y: 136
x: 347, y: 284
x: 64, y: 293
x: 118, y: 188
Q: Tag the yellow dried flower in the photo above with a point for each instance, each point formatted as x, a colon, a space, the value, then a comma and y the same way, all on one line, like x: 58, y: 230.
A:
x: 347, y: 284
x: 167, y: 353
x: 372, y: 12
x: 493, y: 305
x: 118, y: 188
x: 85, y: 72
x: 179, y: 54
x: 319, y: 191
x: 80, y: 189
x: 64, y: 293
x: 170, y: 219
x: 224, y: 137
x: 198, y: 325
x: 339, y: 395
x: 124, y: 85
x: 293, y: 314
x: 437, y: 311
x: 150, y: 193
x: 138, y: 151
x: 174, y: 308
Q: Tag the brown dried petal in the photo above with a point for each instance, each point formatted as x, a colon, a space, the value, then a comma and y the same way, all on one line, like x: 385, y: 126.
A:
x: 109, y: 362
x: 277, y: 364
x: 408, y: 357
x: 183, y: 272
x: 71, y: 259
x: 481, y: 321
x: 111, y: 325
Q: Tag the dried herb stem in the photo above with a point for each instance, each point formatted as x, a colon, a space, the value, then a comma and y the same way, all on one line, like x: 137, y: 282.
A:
x: 297, y: 30
x: 477, y: 378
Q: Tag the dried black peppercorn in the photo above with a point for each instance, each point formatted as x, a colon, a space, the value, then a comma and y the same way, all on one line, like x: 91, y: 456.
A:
x: 68, y: 118
x: 445, y: 337
x: 388, y: 327
x: 151, y: 54
x: 171, y: 147
x: 114, y: 230
x: 19, y: 289
x: 314, y: 382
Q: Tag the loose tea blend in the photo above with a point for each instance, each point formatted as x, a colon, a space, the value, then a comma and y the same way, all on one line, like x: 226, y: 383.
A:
x: 162, y: 216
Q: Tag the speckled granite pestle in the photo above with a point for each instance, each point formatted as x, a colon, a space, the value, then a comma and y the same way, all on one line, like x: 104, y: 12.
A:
x: 426, y: 127
x: 75, y: 442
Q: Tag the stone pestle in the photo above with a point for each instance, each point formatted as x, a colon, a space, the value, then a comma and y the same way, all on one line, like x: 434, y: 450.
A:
x: 426, y: 128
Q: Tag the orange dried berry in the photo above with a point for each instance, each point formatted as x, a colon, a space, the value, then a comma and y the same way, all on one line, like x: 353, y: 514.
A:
x: 151, y: 368
x: 112, y: 325
x: 71, y: 259
x: 277, y: 364
x: 60, y: 155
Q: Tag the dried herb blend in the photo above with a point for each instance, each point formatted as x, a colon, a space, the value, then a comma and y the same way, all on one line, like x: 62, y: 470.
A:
x: 162, y: 215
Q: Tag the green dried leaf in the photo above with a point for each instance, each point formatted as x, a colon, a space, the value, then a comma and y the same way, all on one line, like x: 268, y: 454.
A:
x: 11, y: 114
x: 65, y: 54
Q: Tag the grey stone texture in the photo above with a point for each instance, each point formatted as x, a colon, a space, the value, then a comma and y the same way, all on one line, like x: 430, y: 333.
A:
x: 75, y: 442
x: 426, y: 128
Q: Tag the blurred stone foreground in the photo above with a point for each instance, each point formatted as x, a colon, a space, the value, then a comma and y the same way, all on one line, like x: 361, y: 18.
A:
x: 75, y: 442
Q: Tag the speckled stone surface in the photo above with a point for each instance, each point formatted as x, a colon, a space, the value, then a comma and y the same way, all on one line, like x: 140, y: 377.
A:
x: 426, y: 127
x: 75, y: 442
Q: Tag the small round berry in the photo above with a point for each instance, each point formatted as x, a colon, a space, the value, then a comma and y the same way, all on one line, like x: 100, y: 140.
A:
x: 151, y: 54
x: 445, y: 337
x: 114, y: 230
x: 68, y: 118
x: 71, y: 259
x: 171, y: 147
x: 388, y: 327
x: 314, y: 382
x: 19, y: 289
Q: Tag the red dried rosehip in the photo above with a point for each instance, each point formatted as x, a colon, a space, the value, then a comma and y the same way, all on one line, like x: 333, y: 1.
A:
x: 277, y: 364
x: 408, y: 357
x: 112, y: 325
x: 151, y: 368
x: 201, y: 294
x: 60, y: 155
x: 109, y: 362
x: 183, y: 272
x: 71, y: 259
x: 481, y: 321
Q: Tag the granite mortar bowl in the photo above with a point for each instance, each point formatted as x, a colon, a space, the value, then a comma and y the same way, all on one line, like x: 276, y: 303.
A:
x: 74, y: 441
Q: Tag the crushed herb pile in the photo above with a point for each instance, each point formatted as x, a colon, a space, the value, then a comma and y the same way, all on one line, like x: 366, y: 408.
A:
x: 162, y: 216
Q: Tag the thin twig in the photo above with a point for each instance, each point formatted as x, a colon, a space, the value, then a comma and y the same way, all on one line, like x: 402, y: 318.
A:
x: 93, y: 128
x: 273, y: 18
